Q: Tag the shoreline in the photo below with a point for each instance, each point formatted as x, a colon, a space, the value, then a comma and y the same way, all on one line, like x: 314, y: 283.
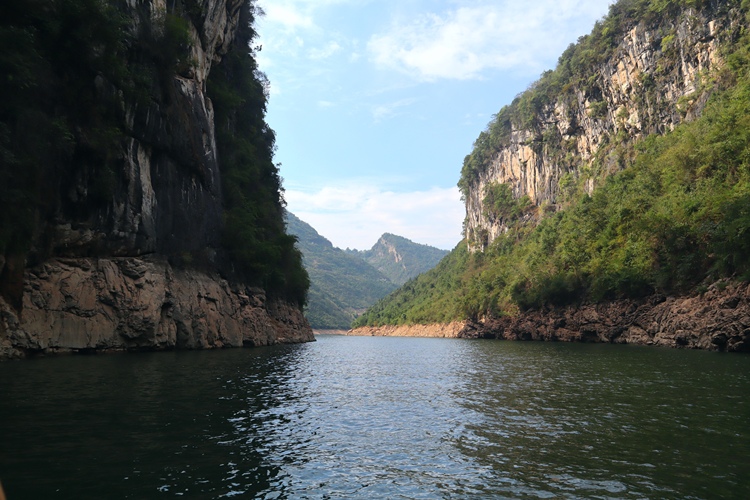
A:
x: 717, y: 320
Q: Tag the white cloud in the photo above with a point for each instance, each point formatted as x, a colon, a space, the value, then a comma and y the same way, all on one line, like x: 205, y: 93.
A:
x: 324, y: 52
x: 356, y: 215
x: 465, y: 42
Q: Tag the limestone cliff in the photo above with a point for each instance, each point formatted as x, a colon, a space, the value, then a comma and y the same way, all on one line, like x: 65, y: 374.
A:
x: 126, y: 249
x: 658, y: 71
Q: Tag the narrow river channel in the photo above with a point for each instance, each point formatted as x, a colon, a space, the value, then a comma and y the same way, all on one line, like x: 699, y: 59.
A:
x: 364, y: 417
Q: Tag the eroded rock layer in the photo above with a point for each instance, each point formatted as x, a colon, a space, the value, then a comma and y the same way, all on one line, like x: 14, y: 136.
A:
x: 718, y: 319
x: 80, y: 305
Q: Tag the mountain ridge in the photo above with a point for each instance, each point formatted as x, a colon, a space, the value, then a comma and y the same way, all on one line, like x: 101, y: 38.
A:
x: 399, y: 258
x: 344, y: 283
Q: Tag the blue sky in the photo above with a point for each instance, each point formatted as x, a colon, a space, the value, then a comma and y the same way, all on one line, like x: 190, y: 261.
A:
x: 375, y: 103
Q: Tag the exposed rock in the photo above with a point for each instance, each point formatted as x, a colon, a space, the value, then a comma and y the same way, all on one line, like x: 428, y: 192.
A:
x: 448, y: 330
x: 718, y: 319
x: 140, y: 304
x: 653, y: 81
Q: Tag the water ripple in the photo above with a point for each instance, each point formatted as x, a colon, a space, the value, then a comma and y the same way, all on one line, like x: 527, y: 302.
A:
x: 380, y: 417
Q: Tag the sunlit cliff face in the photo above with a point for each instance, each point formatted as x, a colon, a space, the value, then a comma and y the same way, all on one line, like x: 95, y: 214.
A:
x: 654, y: 80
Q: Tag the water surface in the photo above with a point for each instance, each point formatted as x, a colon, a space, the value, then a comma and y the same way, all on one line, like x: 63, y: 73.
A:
x: 364, y: 417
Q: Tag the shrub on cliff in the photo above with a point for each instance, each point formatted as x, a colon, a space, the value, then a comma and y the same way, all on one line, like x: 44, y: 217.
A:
x: 254, y: 230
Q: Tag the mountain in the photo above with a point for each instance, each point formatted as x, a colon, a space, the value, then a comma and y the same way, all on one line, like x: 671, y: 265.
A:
x: 400, y: 259
x: 140, y: 205
x: 621, y: 175
x: 342, y: 285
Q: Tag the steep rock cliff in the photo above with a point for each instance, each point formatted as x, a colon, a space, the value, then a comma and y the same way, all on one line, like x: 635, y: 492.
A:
x: 167, y: 191
x: 658, y: 71
x: 135, y: 202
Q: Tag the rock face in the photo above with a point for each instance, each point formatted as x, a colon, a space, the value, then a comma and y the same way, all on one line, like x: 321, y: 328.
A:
x: 719, y: 319
x: 99, y: 275
x: 82, y: 305
x: 167, y: 195
x: 654, y: 80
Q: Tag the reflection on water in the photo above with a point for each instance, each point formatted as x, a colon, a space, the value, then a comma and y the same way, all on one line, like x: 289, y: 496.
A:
x: 350, y: 417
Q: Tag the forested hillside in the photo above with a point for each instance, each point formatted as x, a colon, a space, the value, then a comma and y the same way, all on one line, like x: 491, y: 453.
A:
x: 342, y: 286
x: 579, y: 193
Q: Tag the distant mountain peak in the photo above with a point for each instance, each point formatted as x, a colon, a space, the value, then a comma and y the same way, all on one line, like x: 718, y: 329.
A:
x: 344, y: 283
x: 400, y: 258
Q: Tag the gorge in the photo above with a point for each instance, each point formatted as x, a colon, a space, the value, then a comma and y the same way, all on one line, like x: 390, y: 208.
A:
x: 618, y: 179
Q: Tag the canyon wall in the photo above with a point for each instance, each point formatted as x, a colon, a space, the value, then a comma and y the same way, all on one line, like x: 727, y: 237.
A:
x: 139, y: 264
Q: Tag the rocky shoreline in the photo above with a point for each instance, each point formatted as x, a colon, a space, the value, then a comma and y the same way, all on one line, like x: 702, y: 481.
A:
x: 126, y: 304
x: 718, y: 319
x: 440, y: 330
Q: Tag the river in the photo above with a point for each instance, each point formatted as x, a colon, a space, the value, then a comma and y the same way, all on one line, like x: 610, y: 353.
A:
x: 373, y: 417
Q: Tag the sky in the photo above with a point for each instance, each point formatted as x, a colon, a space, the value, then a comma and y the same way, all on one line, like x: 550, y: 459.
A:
x: 375, y: 103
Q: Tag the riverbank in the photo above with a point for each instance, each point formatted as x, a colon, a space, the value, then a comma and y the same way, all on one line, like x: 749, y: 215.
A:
x: 125, y: 304
x: 441, y: 330
x: 717, y: 319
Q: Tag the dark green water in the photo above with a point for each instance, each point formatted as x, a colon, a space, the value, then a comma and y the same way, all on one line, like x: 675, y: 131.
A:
x: 361, y: 417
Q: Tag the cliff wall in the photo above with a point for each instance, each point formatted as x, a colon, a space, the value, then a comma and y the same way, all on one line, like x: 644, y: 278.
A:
x: 166, y: 192
x: 127, y: 250
x: 657, y: 75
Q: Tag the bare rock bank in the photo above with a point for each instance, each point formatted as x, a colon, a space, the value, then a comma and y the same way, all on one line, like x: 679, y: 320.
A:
x: 444, y: 330
x: 718, y: 319
x: 111, y: 304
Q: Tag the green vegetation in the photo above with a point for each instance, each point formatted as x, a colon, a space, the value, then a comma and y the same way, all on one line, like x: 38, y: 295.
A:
x: 254, y: 232
x: 342, y: 285
x: 433, y: 297
x: 499, y: 202
x: 675, y: 218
